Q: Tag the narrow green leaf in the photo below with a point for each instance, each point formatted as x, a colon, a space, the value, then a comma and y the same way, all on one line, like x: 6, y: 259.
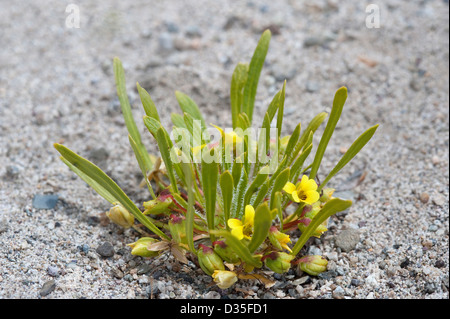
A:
x: 238, y: 247
x: 261, y: 194
x: 280, y: 182
x: 237, y: 203
x: 164, y: 149
x: 298, y: 164
x: 236, y: 172
x: 141, y: 162
x: 236, y: 91
x: 254, y: 71
x: 91, y: 182
x: 338, y: 105
x: 187, y: 170
x: 108, y: 186
x: 330, y: 208
x: 280, y: 111
x: 210, y: 172
x: 147, y: 103
x: 262, y: 223
x: 177, y: 120
x: 354, y: 149
x: 188, y: 105
x: 119, y: 76
x: 289, y: 152
x: 227, y: 187
x: 260, y: 178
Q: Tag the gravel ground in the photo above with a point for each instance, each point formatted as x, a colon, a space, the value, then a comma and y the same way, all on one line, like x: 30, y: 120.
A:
x: 56, y: 85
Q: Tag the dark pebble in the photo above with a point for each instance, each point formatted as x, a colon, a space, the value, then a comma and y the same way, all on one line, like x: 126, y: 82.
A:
x: 405, y: 263
x: 47, y: 288
x: 157, y: 274
x: 45, y: 201
x: 106, y: 249
x: 84, y: 248
x: 439, y: 263
x: 12, y: 172
x: 53, y: 271
x: 143, y: 269
x: 355, y: 282
x: 327, y: 275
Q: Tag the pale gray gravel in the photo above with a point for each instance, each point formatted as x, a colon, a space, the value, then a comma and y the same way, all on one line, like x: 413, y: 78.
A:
x: 56, y: 85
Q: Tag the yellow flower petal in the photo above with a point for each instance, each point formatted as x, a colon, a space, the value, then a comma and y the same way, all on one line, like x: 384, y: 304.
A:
x: 238, y: 232
x: 295, y: 197
x: 311, y: 197
x: 234, y: 223
x: 289, y: 188
x: 249, y: 215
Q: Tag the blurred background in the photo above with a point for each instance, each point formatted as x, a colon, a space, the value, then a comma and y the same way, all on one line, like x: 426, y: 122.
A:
x: 57, y: 85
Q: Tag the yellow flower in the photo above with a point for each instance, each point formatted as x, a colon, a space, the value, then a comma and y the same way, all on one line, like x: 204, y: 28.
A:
x: 240, y: 229
x: 305, y: 191
x: 224, y: 278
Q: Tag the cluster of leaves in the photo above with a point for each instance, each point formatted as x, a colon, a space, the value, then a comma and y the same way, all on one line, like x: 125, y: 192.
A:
x: 223, y: 213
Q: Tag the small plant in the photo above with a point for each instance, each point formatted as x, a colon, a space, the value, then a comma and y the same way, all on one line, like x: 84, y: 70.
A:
x: 227, y: 198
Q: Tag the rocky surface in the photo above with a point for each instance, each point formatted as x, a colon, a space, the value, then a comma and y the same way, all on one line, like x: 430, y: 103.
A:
x: 56, y: 85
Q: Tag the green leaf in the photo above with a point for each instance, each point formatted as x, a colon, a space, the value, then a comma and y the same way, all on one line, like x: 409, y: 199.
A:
x: 141, y: 161
x: 330, y: 208
x: 338, y: 105
x: 190, y: 107
x: 254, y: 71
x: 298, y: 164
x: 108, y: 188
x: 236, y: 172
x: 280, y: 111
x: 257, y: 182
x: 280, y: 182
x: 289, y: 153
x: 164, y: 149
x: 210, y: 172
x: 119, y: 75
x: 91, y: 182
x: 147, y: 103
x: 152, y: 125
x: 238, y: 81
x: 227, y: 187
x: 354, y: 149
x: 261, y: 194
x: 262, y: 223
x: 177, y: 120
x: 238, y: 247
x: 237, y: 202
x: 187, y: 170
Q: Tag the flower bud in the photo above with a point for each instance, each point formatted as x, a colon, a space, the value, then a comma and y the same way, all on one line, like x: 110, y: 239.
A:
x: 225, y: 252
x: 279, y: 239
x: 224, y: 278
x: 157, y: 206
x: 120, y: 216
x: 209, y: 261
x: 177, y: 228
x: 313, y: 264
x: 139, y: 248
x: 308, y: 216
x: 327, y: 194
x: 278, y: 262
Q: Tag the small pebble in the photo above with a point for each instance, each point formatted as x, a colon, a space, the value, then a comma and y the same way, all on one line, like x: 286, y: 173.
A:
x: 53, y: 271
x: 47, y: 288
x: 44, y: 201
x: 106, y: 249
x: 424, y: 197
